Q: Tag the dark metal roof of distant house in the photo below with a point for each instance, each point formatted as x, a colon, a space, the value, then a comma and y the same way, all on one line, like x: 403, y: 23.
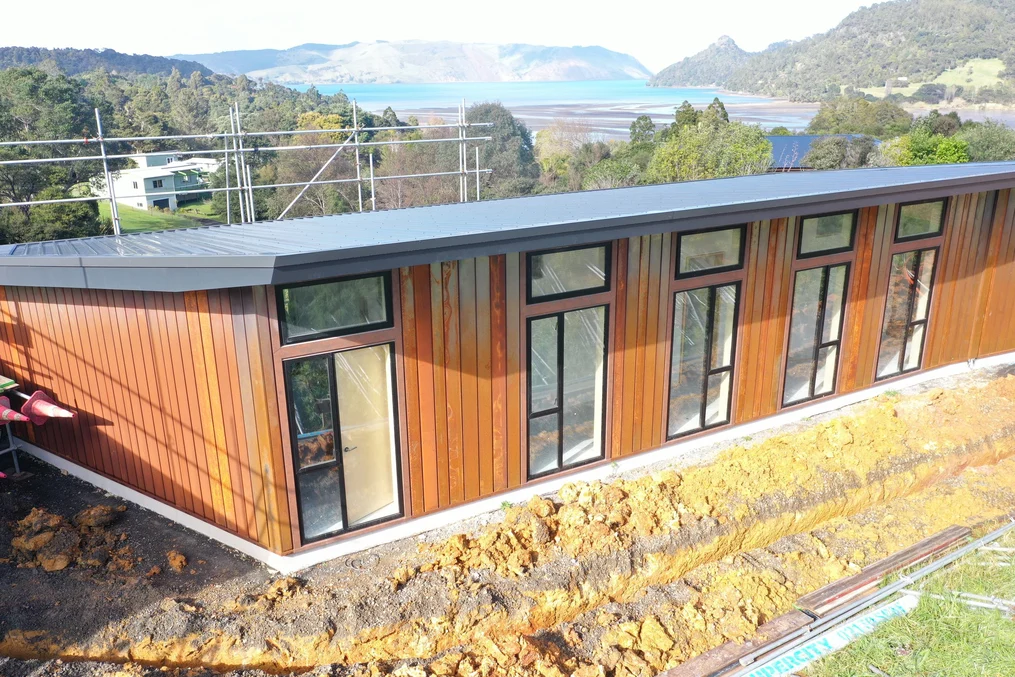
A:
x: 278, y: 252
x: 788, y: 151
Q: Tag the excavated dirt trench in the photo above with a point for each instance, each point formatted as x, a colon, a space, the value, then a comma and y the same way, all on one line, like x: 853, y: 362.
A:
x: 622, y: 578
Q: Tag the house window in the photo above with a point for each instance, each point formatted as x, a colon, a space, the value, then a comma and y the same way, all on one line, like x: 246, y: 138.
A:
x: 344, y: 441
x: 156, y: 183
x: 710, y: 251
x: 827, y: 234
x: 345, y: 306
x: 186, y: 178
x: 567, y: 389
x: 568, y: 272
x: 701, y: 364
x: 135, y: 185
x: 920, y: 219
x: 906, y: 310
x: 170, y: 160
x: 819, y: 302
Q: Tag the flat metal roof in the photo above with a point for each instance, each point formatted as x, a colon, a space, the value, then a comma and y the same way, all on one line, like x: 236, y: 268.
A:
x: 300, y: 250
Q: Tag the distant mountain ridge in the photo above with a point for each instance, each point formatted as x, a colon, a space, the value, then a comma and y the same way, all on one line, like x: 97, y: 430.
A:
x: 418, y: 61
x: 77, y: 61
x: 914, y: 39
x: 710, y: 67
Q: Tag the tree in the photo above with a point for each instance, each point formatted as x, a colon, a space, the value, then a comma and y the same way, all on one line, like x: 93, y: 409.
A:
x: 921, y: 148
x: 610, y: 173
x: 686, y: 116
x: 509, y: 153
x: 780, y: 131
x: 718, y: 109
x: 989, y: 141
x: 936, y: 123
x: 840, y: 152
x: 881, y: 119
x: 708, y: 151
x: 643, y: 130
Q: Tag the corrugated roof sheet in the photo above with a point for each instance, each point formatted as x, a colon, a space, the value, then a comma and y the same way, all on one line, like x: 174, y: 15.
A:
x: 312, y: 248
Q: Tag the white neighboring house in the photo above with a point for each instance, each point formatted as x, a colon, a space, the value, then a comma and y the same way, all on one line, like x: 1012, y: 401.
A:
x: 162, y: 180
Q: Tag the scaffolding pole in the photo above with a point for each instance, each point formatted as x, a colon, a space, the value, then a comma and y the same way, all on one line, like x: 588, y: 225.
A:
x: 239, y: 174
x: 373, y: 193
x: 114, y: 211
x: 225, y: 163
x: 355, y: 127
x: 243, y: 165
x: 477, y: 173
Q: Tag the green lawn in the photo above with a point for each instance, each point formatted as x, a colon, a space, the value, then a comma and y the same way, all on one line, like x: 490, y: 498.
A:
x: 974, y: 73
x: 139, y: 220
x: 942, y: 637
x: 203, y: 210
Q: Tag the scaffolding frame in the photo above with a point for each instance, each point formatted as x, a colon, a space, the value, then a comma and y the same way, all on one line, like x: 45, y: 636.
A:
x: 240, y: 180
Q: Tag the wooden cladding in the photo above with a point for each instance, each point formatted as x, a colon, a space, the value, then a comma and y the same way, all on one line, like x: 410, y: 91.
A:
x: 175, y: 394
x: 461, y: 337
x: 180, y: 395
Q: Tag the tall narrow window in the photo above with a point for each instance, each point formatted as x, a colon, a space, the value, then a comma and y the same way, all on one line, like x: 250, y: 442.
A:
x: 906, y: 310
x: 567, y: 389
x: 701, y: 366
x: 819, y: 301
x: 345, y: 448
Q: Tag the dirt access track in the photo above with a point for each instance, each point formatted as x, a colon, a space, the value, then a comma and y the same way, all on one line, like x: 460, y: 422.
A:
x: 628, y: 577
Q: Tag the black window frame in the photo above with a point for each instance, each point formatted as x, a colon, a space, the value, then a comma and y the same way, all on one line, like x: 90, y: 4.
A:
x: 910, y: 323
x: 827, y: 252
x: 283, y: 324
x: 819, y: 328
x: 605, y: 287
x: 709, y: 372
x: 921, y: 236
x: 559, y: 409
x: 339, y: 450
x: 711, y: 271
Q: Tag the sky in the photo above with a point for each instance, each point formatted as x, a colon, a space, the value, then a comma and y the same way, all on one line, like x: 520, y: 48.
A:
x: 657, y: 32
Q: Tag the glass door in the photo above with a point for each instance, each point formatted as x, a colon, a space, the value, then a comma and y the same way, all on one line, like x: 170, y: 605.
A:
x: 342, y: 416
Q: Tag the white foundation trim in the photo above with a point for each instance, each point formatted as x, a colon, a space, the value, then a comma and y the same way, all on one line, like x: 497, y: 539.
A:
x: 355, y: 543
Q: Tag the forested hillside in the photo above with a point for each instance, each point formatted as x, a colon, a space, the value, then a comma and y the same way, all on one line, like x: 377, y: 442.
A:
x: 712, y: 66
x: 913, y: 39
x: 77, y: 61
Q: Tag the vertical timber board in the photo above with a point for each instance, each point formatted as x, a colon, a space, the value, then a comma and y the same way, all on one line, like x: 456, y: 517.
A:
x: 650, y: 319
x: 630, y: 346
x: 411, y: 361
x: 644, y: 266
x: 617, y: 358
x: 425, y: 371
x: 453, y: 378
x: 484, y: 363
x: 858, y: 286
x: 515, y: 403
x: 744, y: 374
x: 498, y: 363
x: 470, y: 376
x: 662, y: 342
x: 439, y: 364
x: 225, y: 358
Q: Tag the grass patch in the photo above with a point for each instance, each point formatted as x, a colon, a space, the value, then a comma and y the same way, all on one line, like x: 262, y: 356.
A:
x: 141, y: 220
x: 941, y: 637
x: 204, y: 209
x: 975, y: 73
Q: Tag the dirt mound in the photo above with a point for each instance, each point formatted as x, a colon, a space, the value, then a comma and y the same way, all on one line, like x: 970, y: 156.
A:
x: 44, y: 539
